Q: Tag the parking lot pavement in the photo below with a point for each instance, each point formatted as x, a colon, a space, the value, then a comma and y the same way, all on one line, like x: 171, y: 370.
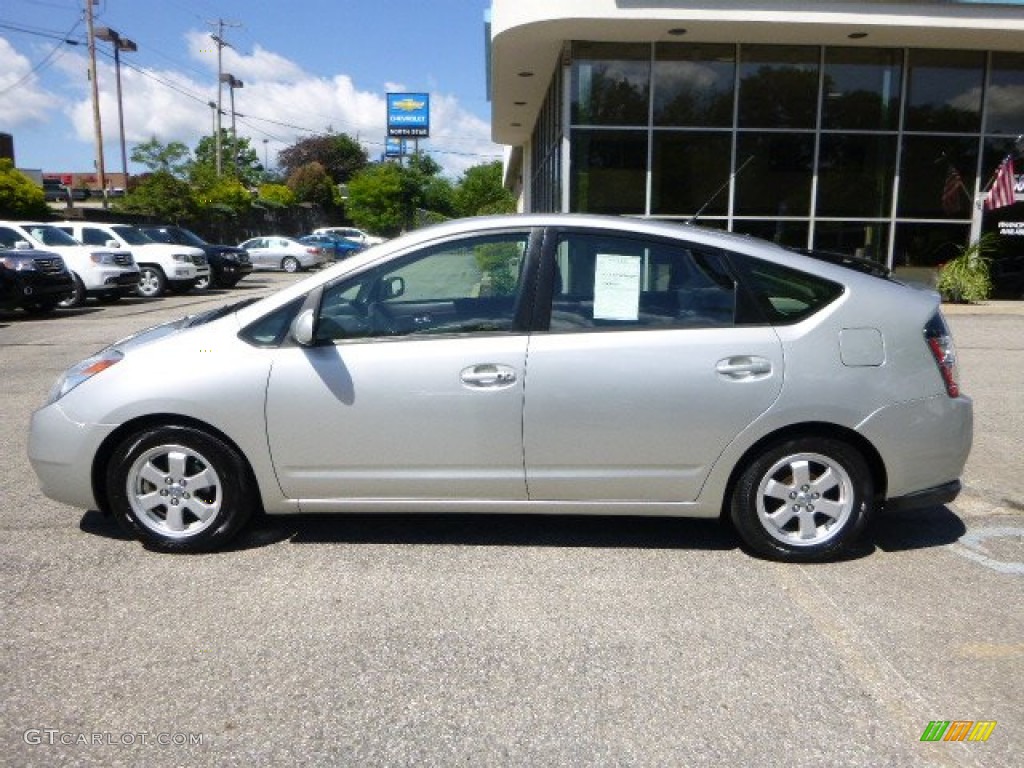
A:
x: 441, y: 640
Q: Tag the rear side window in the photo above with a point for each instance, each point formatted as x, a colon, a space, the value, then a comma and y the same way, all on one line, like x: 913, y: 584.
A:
x: 612, y: 282
x: 784, y: 295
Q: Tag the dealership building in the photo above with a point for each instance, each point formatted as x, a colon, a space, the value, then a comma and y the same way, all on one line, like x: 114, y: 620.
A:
x: 862, y: 127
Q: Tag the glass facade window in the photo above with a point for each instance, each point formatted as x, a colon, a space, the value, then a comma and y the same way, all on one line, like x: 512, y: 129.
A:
x: 611, y: 84
x: 862, y: 89
x: 866, y: 239
x: 1005, y: 99
x: 879, y: 152
x: 688, y: 167
x: 855, y: 175
x: 944, y: 91
x: 694, y: 85
x: 777, y: 182
x: 778, y: 86
x: 609, y: 171
x: 937, y: 176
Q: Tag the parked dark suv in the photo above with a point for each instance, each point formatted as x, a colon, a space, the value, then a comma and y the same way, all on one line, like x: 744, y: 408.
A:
x: 228, y: 263
x: 34, y: 280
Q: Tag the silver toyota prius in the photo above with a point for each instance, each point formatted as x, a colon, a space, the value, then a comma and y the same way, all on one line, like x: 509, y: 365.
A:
x: 559, y: 364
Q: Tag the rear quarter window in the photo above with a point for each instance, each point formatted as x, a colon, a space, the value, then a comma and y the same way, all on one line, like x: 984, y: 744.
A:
x: 785, y: 295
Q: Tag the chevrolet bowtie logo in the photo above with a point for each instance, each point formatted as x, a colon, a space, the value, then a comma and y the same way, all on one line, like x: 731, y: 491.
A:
x: 409, y: 105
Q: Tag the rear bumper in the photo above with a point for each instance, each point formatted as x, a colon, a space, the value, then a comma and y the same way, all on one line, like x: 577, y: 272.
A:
x: 929, y: 497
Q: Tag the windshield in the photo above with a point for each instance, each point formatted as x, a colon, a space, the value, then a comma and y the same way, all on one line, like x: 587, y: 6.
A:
x: 131, y: 235
x: 191, y: 238
x: 160, y: 235
x: 48, y: 235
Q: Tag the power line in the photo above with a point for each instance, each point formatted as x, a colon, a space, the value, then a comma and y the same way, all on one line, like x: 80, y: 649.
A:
x: 46, y: 60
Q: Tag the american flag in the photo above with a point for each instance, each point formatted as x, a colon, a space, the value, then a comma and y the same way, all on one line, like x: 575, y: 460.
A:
x: 951, y: 191
x: 1000, y: 194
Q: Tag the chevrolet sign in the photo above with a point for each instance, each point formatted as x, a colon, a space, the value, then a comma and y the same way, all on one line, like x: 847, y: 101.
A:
x: 409, y: 115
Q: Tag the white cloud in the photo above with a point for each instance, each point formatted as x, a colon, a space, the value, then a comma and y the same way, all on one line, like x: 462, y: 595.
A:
x: 279, y: 102
x: 23, y: 100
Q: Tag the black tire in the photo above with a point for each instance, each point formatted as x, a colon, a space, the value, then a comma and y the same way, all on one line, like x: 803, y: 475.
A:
x: 108, y: 298
x: 152, y: 281
x: 803, y: 500
x: 290, y: 264
x: 228, y: 282
x: 77, y: 297
x: 180, y: 489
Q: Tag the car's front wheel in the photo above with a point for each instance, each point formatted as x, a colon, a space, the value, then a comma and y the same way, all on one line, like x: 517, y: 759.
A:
x: 77, y: 297
x: 803, y: 500
x: 151, y: 282
x: 180, y: 489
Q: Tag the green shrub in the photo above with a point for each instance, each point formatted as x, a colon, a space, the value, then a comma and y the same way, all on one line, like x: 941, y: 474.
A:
x: 966, y: 279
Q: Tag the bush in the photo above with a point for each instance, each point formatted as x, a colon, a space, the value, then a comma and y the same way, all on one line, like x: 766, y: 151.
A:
x: 966, y: 279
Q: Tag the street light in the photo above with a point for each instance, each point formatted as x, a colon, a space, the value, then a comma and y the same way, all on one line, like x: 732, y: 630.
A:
x: 233, y: 83
x: 120, y: 44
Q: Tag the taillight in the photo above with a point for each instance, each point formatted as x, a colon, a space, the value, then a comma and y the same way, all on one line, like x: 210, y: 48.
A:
x: 940, y: 342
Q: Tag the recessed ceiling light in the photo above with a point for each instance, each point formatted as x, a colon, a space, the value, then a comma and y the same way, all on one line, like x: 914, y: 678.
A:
x: 857, y: 35
x: 677, y: 31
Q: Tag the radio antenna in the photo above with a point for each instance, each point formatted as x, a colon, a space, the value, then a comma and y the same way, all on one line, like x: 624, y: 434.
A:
x: 718, y: 191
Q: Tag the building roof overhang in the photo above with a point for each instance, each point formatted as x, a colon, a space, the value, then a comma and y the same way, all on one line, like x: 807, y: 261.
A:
x: 528, y: 36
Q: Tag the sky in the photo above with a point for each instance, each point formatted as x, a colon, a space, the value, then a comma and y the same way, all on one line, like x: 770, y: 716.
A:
x: 307, y: 68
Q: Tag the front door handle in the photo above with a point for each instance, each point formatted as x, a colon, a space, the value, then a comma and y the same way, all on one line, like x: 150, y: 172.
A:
x: 488, y: 375
x: 744, y: 367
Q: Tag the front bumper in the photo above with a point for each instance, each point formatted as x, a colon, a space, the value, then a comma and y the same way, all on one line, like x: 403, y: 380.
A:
x: 61, y: 452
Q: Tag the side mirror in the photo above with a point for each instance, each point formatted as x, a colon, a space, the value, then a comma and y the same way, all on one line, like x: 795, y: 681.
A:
x: 113, y: 244
x: 392, y: 288
x: 22, y: 245
x: 304, y: 327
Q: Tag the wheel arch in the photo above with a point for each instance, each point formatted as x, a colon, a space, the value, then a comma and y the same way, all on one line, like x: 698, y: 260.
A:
x: 149, y: 421
x: 876, y: 465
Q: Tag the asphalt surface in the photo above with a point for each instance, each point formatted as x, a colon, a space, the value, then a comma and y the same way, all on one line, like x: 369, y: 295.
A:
x: 520, y: 641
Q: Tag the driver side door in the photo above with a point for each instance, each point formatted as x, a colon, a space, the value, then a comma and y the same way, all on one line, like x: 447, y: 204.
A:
x: 413, y: 389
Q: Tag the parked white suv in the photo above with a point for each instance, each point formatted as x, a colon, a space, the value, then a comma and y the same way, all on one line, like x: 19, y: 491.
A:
x: 103, y: 273
x: 351, y: 233
x: 161, y: 265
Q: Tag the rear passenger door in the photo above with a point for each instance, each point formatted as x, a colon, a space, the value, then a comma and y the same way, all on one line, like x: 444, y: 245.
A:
x: 643, y: 370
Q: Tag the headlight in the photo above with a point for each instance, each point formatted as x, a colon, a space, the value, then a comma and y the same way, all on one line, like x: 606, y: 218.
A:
x: 102, y: 257
x: 19, y: 263
x: 182, y: 257
x: 83, y: 371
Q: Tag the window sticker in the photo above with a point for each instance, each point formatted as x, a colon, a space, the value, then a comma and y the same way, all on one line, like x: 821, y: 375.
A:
x: 617, y: 287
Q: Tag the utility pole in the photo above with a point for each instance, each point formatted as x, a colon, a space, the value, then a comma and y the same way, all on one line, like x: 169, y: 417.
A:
x: 221, y: 44
x: 97, y: 123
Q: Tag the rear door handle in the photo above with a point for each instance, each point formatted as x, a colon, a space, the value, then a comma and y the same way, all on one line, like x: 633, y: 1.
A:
x: 743, y: 367
x: 488, y: 376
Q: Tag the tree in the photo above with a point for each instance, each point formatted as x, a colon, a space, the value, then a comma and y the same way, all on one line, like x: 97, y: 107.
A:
x: 480, y: 192
x: 340, y: 155
x: 162, y: 195
x: 20, y: 197
x: 278, y: 195
x: 311, y: 184
x: 375, y: 199
x: 249, y: 169
x: 173, y: 158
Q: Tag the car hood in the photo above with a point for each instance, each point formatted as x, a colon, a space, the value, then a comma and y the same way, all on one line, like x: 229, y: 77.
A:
x: 172, y: 327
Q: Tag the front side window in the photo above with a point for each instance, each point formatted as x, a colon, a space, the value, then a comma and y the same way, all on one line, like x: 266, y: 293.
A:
x: 465, y: 286
x: 48, y: 235
x: 609, y: 282
x: 93, y: 236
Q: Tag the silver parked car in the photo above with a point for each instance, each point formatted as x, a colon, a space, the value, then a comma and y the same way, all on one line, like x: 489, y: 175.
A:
x: 542, y: 363
x: 287, y: 253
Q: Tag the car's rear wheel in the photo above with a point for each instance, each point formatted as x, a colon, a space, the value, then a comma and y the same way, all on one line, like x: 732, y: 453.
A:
x: 803, y: 500
x: 151, y: 282
x: 179, y: 489
x: 290, y: 264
